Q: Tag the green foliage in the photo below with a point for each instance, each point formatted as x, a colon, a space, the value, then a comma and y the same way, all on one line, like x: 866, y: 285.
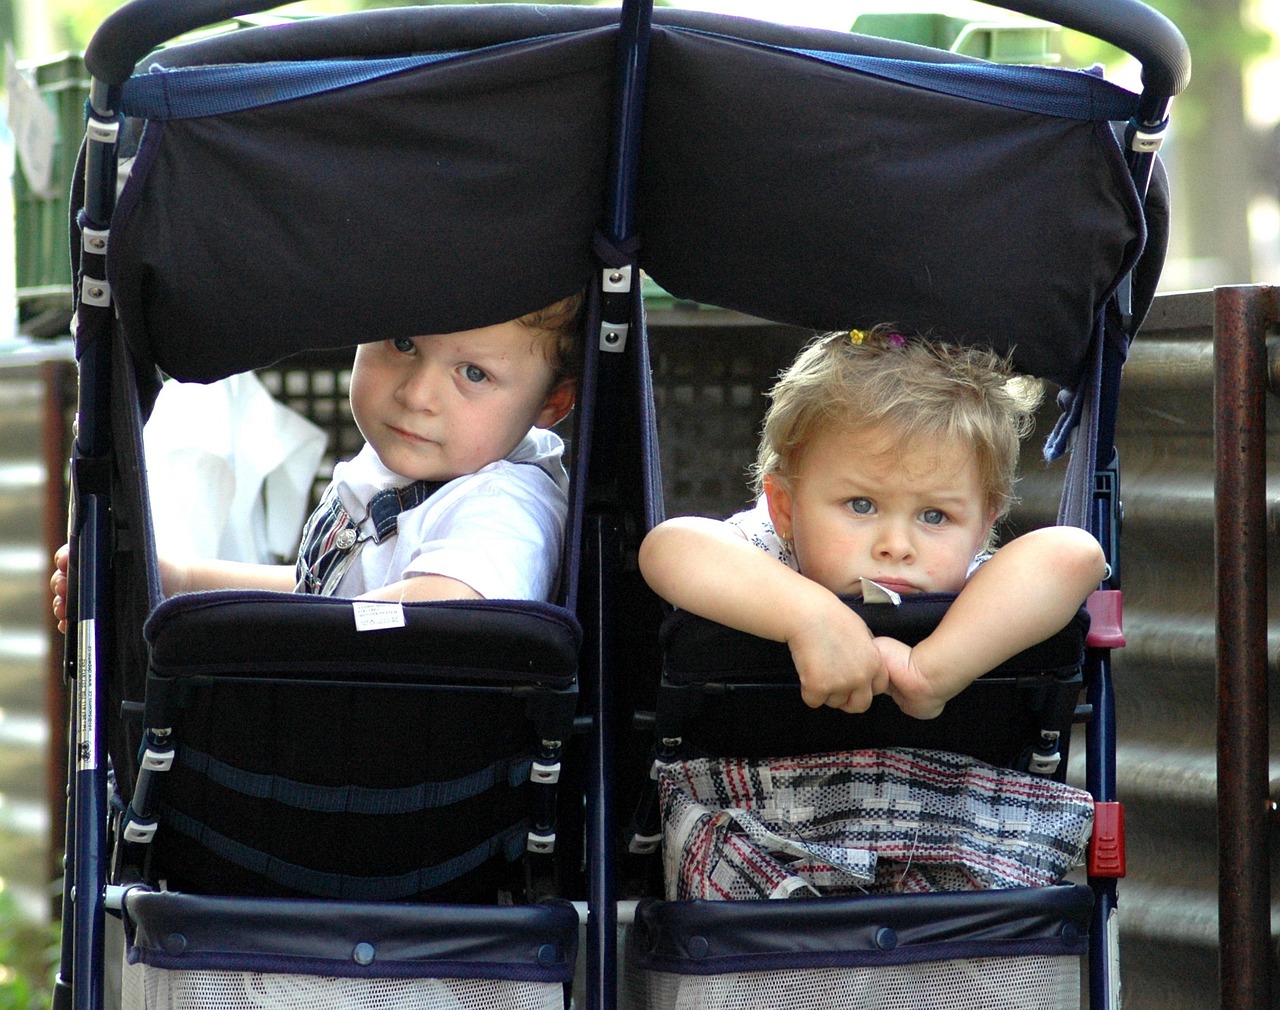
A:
x: 28, y: 958
x: 1214, y: 29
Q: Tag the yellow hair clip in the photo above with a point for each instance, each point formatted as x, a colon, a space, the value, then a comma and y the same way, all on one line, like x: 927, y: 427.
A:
x: 856, y: 337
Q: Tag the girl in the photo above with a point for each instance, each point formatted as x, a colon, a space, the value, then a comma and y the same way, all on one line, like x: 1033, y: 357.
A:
x: 883, y: 460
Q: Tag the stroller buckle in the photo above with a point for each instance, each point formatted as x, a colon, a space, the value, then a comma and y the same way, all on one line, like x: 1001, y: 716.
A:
x: 102, y: 131
x: 94, y: 240
x: 158, y: 760
x: 644, y: 845
x: 613, y: 337
x: 616, y: 280
x: 142, y: 832
x: 1044, y: 764
x: 95, y: 292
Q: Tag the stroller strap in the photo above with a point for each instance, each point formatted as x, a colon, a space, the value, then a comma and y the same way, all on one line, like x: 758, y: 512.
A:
x: 195, y: 92
x: 509, y: 844
x: 356, y: 799
x: 1051, y: 91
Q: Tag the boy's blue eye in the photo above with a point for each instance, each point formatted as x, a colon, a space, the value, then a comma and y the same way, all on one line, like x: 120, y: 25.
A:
x: 404, y: 345
x: 933, y: 517
x: 861, y: 506
x: 474, y: 373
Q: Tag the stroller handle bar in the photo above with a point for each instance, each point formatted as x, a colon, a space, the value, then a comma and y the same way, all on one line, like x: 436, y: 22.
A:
x: 1129, y: 25
x: 132, y: 31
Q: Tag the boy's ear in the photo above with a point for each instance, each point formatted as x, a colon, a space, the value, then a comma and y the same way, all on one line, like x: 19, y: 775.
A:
x: 557, y: 404
x: 777, y: 496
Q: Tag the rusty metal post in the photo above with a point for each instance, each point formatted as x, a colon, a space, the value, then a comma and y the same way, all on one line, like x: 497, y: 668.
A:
x: 1242, y: 316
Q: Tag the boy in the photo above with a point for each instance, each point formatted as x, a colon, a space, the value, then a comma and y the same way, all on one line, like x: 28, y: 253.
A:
x: 459, y: 491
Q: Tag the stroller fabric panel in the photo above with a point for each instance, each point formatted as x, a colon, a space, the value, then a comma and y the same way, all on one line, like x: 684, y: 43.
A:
x: 385, y: 31
x: 697, y: 650
x: 975, y: 950
x: 363, y: 794
x: 277, y: 634
x: 297, y: 745
x: 356, y: 211
x: 186, y: 952
x: 171, y: 930
x: 941, y: 220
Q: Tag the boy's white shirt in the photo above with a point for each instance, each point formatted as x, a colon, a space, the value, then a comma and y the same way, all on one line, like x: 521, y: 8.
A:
x: 499, y: 530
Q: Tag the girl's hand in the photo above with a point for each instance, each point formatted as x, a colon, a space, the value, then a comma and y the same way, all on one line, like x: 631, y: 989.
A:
x: 909, y: 686
x: 838, y: 663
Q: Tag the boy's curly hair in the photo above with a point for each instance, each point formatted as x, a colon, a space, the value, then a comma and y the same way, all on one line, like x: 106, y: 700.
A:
x: 562, y: 323
x: 918, y: 387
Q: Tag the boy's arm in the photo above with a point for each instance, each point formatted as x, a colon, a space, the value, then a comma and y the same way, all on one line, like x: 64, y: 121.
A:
x: 197, y: 575
x: 703, y: 566
x: 1028, y: 591
x: 423, y: 587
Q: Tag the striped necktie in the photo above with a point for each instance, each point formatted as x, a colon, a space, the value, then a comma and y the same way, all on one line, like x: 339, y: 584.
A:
x: 331, y: 540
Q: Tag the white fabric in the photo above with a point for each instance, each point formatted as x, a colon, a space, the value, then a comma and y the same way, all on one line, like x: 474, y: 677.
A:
x: 229, y: 470
x: 500, y: 530
x: 756, y: 526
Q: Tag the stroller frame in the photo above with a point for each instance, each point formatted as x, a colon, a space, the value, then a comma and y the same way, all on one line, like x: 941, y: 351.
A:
x: 610, y: 503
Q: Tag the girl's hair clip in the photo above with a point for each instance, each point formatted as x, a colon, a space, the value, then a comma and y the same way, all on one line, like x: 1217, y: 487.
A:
x: 893, y: 339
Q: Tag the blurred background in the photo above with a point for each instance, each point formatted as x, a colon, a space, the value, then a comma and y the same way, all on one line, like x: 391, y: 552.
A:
x: 1223, y: 159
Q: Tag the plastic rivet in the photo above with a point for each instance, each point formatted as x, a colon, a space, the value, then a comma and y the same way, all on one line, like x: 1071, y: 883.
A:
x: 363, y: 954
x: 698, y: 946
x: 886, y: 938
x: 175, y: 943
x: 548, y: 955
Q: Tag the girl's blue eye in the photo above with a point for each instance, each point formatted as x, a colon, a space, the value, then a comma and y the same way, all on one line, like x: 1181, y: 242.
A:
x: 404, y: 345
x: 933, y: 517
x: 862, y: 506
x: 474, y: 373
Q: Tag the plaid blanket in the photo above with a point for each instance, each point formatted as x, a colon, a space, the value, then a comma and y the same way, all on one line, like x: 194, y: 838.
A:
x: 864, y: 821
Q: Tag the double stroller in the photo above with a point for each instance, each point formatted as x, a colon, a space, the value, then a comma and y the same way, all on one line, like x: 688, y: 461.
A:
x: 285, y: 810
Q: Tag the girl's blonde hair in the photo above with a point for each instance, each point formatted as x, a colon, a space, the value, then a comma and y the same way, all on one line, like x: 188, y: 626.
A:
x: 921, y: 389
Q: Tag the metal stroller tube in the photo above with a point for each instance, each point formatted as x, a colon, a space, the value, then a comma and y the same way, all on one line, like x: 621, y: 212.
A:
x: 132, y: 31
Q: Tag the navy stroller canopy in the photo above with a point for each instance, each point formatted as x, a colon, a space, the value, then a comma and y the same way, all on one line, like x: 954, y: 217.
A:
x: 810, y: 177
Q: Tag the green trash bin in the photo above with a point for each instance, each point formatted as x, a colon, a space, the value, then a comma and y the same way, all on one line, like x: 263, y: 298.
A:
x: 969, y: 29
x: 42, y: 262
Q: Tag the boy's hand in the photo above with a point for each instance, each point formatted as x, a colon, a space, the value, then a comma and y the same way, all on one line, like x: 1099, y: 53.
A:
x: 908, y: 686
x: 58, y: 585
x: 837, y: 661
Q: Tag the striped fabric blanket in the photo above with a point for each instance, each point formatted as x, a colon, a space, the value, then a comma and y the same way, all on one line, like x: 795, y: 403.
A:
x: 893, y: 820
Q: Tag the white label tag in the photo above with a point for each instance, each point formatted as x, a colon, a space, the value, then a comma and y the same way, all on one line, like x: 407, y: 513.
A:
x: 374, y: 615
x: 873, y: 592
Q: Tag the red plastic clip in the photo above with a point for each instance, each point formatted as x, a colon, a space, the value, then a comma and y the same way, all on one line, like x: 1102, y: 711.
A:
x: 1106, y: 618
x: 1106, y: 848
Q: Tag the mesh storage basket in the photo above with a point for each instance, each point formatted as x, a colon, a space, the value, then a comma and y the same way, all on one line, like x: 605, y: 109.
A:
x: 1019, y: 949
x: 186, y: 952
